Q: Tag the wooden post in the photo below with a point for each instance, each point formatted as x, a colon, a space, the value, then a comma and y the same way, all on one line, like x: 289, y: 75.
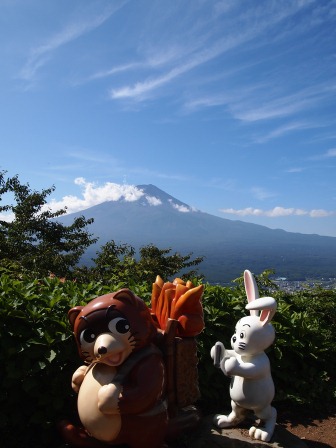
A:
x: 169, y: 348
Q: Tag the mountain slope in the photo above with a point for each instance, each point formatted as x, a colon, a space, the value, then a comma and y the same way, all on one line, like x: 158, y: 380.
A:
x: 228, y: 246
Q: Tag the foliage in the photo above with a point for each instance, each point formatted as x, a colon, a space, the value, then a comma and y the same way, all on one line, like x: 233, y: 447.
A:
x: 303, y: 356
x: 113, y: 263
x: 35, y: 354
x: 222, y: 307
x: 118, y: 263
x: 37, y: 242
x: 38, y: 355
x: 154, y: 261
x: 35, y: 238
x: 304, y: 352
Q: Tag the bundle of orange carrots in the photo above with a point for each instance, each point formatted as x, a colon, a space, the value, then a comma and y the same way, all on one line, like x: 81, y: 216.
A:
x: 181, y: 301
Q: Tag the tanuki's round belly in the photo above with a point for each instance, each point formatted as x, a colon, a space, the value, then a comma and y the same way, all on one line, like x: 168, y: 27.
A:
x: 104, y: 427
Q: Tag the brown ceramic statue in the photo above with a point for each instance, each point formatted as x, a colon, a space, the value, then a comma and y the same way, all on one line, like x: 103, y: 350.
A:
x: 129, y: 390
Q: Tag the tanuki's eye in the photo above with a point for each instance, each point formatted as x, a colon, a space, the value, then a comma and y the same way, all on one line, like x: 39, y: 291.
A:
x: 119, y: 325
x: 88, y: 336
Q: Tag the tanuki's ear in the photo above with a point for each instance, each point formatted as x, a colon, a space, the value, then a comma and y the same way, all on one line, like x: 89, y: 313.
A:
x: 73, y: 313
x: 126, y: 295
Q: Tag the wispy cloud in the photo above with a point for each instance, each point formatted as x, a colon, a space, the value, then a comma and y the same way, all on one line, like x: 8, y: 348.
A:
x: 41, y: 54
x: 261, y: 193
x: 284, y: 130
x: 329, y: 154
x: 295, y: 170
x: 211, y: 49
x: 277, y: 212
x: 87, y: 155
x: 265, y: 107
x: 261, y: 101
x: 152, y: 61
x: 139, y: 90
x: 251, y: 104
x: 114, y: 70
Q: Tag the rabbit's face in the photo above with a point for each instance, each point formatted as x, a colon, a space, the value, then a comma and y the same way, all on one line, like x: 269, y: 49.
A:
x: 251, y: 336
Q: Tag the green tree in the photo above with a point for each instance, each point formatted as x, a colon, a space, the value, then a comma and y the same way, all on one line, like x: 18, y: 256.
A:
x: 34, y: 237
x: 115, y: 263
x: 154, y: 261
x: 118, y: 264
x: 263, y: 281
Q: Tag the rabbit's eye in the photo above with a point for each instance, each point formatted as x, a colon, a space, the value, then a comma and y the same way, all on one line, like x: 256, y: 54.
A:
x: 234, y: 338
x: 242, y: 335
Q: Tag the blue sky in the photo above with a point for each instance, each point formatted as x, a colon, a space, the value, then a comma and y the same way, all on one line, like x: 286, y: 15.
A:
x: 229, y: 106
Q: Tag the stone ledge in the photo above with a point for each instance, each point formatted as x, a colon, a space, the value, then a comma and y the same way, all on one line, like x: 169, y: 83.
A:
x: 208, y: 436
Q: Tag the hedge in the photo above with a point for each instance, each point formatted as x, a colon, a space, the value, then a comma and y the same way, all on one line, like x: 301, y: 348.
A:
x: 38, y: 354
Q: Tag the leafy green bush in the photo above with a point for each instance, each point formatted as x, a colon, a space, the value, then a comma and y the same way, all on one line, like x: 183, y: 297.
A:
x: 38, y: 355
x: 303, y: 356
x: 222, y: 308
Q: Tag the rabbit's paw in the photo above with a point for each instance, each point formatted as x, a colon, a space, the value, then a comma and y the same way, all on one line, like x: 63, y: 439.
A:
x: 217, y: 353
x: 222, y: 421
x: 230, y: 365
x: 260, y: 434
x: 227, y: 421
x: 265, y: 432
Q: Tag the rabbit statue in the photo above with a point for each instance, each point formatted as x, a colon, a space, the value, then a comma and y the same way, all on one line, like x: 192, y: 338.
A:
x: 252, y: 387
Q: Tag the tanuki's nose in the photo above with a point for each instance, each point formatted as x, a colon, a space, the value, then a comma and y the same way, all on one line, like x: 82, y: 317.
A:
x: 102, y: 350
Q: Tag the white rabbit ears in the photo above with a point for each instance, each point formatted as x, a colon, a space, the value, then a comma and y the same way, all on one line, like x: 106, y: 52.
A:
x: 267, y: 305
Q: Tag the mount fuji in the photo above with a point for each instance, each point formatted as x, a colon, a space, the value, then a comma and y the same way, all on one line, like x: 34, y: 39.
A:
x: 228, y: 246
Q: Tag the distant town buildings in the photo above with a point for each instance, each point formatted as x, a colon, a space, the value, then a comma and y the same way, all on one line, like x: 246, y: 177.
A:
x: 293, y: 286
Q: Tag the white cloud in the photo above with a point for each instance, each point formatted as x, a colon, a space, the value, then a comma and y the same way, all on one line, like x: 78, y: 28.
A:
x: 93, y: 195
x: 7, y: 217
x: 320, y: 213
x: 153, y: 200
x: 180, y: 208
x: 277, y: 212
